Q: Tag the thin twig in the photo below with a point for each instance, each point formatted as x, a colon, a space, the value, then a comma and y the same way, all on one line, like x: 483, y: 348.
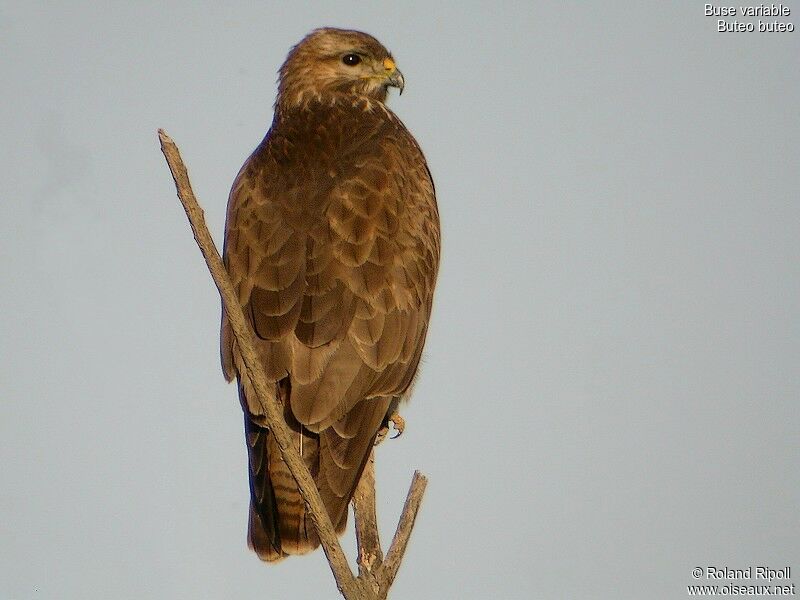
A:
x: 404, y: 526
x: 349, y: 586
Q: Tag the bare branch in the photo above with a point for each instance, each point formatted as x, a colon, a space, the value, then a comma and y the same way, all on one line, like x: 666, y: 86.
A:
x: 403, y: 533
x: 370, y: 555
x: 349, y: 586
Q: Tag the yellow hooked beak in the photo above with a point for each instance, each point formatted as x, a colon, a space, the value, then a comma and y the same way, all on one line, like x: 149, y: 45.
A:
x: 394, y: 77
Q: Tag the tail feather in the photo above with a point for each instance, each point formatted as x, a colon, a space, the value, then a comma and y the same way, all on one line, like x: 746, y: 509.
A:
x: 279, y: 523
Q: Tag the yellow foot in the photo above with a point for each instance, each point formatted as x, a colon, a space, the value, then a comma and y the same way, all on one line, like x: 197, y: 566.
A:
x: 397, y: 422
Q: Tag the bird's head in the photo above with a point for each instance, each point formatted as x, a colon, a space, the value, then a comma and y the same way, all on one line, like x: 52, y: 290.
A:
x: 330, y: 62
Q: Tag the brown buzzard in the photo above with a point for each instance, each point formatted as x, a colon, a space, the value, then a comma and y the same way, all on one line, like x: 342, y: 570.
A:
x: 332, y: 242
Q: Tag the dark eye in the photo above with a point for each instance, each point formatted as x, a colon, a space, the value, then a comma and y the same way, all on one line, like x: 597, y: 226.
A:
x: 351, y: 60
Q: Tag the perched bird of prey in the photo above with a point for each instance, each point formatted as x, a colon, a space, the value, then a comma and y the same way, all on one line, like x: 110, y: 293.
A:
x: 332, y: 243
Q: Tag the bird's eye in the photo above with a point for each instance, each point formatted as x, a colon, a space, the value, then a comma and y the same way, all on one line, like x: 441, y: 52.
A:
x: 351, y: 60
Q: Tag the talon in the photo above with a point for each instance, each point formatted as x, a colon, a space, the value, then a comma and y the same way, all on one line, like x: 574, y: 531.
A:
x: 396, y: 421
x: 399, y: 424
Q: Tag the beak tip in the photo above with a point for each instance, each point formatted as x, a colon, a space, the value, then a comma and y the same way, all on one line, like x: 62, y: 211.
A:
x: 397, y: 80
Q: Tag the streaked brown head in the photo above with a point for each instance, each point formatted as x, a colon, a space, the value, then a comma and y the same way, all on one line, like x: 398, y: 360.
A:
x: 329, y: 62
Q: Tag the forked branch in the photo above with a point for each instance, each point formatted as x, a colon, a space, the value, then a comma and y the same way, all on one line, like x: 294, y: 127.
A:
x: 376, y: 576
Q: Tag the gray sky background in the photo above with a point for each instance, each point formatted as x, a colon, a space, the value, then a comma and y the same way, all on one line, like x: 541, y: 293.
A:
x: 609, y: 392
